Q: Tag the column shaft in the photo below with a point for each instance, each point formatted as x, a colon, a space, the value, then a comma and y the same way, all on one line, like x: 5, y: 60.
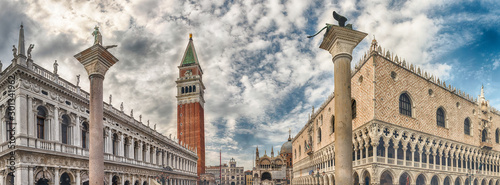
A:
x: 343, y: 119
x: 96, y: 156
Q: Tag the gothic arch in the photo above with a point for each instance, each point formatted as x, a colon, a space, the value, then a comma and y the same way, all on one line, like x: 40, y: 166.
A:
x: 441, y: 117
x: 421, y: 179
x: 387, y: 177
x: 405, y: 178
x: 405, y: 104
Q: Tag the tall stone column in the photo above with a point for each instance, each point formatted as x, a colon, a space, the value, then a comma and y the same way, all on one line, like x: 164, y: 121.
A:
x: 96, y: 60
x: 340, y: 42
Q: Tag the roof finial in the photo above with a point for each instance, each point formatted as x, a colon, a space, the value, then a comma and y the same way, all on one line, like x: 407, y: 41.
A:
x: 190, y: 36
x: 482, y: 90
x: 289, y: 134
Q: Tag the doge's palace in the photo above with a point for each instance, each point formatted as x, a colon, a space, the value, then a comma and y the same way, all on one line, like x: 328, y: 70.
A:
x: 49, y: 145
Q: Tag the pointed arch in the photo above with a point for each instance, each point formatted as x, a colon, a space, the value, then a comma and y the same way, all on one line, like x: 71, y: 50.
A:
x: 484, y: 135
x: 441, y: 117
x: 319, y: 135
x: 447, y: 181
x: 353, y: 108
x: 332, y: 123
x: 405, y: 105
x: 386, y: 177
x: 467, y: 126
x: 497, y: 135
x: 421, y: 180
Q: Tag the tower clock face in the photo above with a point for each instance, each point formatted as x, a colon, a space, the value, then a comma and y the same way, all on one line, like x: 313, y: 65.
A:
x: 188, y: 73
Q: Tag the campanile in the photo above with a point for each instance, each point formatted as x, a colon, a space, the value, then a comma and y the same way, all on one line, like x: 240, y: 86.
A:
x: 190, y: 104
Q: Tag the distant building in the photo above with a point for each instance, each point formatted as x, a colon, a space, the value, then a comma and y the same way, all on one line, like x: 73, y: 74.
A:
x: 248, y: 177
x: 232, y: 175
x: 271, y: 170
x: 207, y: 179
x: 215, y: 170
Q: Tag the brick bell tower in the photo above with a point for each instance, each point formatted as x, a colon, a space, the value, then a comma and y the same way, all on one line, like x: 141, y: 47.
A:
x: 190, y: 103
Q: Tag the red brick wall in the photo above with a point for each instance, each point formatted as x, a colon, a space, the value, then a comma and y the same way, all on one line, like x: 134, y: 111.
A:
x: 192, y: 129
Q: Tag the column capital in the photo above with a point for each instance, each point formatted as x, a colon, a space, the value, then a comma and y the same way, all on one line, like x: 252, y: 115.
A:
x: 96, y: 60
x: 340, y: 40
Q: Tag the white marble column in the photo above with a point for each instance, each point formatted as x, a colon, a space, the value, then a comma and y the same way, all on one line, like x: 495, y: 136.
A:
x: 20, y: 175
x: 139, y: 152
x: 78, y: 178
x: 54, y: 132
x: 31, y: 122
x: 56, y: 176
x: 77, y: 132
x: 30, y: 175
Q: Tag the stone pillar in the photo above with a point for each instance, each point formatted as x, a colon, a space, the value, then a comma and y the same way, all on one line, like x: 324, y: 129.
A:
x: 77, y: 132
x: 56, y: 176
x: 20, y: 119
x: 31, y: 123
x: 78, y: 178
x: 20, y: 175
x: 340, y: 42
x: 54, y: 131
x: 30, y: 175
x: 96, y: 60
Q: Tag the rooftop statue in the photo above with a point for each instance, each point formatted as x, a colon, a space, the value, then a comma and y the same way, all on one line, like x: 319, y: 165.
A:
x: 97, y: 36
x: 30, y: 49
x: 339, y: 18
x: 14, y: 51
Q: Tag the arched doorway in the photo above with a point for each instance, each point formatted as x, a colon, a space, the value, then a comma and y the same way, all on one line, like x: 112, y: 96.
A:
x: 266, y: 176
x: 42, y: 182
x: 404, y: 179
x: 232, y: 183
x: 86, y: 183
x: 127, y: 183
x: 491, y: 182
x: 421, y: 180
x: 386, y: 178
x: 65, y: 179
x: 447, y: 181
x: 457, y: 181
x: 467, y: 182
x: 145, y: 183
x: 137, y: 183
x: 476, y: 182
x: 355, y: 178
x: 483, y: 182
x: 366, y: 178
x: 115, y: 180
x: 434, y: 180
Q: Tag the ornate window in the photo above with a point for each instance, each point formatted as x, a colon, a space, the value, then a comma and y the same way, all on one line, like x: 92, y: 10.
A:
x: 65, y: 129
x: 405, y: 104
x: 333, y: 123
x: 353, y: 108
x: 440, y: 117
x: 8, y: 124
x: 319, y: 135
x: 115, y: 144
x: 484, y: 135
x: 497, y: 136
x: 182, y: 90
x: 40, y: 122
x: 136, y: 150
x: 467, y: 126
x: 85, y: 134
x: 125, y: 147
x: 194, y: 88
x: 190, y: 88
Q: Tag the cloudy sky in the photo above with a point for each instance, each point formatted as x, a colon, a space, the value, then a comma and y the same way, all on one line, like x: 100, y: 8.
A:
x: 262, y: 75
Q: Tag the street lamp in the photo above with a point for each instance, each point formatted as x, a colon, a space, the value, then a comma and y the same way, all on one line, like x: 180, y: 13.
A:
x: 318, y: 175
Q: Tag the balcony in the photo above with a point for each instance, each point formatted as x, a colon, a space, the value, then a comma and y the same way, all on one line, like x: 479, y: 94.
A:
x: 486, y: 145
x: 309, y: 151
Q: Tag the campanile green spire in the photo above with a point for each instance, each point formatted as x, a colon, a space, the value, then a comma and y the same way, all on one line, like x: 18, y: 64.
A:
x: 189, y: 57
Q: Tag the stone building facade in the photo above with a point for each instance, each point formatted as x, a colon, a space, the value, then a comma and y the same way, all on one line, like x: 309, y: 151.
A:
x: 274, y: 170
x: 409, y: 127
x: 248, y: 177
x: 216, y: 171
x: 232, y: 174
x: 51, y: 135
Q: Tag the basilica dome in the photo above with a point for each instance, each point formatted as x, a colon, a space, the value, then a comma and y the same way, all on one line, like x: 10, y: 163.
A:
x: 286, y: 147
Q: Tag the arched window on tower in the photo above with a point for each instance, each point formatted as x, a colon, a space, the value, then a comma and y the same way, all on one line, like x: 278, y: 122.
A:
x: 497, y: 136
x: 353, y: 108
x: 440, y: 117
x: 194, y: 88
x: 319, y: 135
x: 467, y: 126
x: 115, y: 144
x: 484, y: 135
x: 85, y: 135
x: 405, y: 104
x: 182, y: 90
x: 190, y: 88
x: 65, y: 129
x: 40, y: 122
x: 300, y: 151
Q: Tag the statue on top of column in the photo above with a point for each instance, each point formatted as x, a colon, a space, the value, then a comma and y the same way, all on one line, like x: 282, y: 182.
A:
x: 97, y: 36
x: 121, y: 106
x: 110, y: 98
x: 339, y: 18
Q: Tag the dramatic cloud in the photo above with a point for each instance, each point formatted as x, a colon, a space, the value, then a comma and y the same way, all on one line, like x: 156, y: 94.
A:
x: 261, y: 73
